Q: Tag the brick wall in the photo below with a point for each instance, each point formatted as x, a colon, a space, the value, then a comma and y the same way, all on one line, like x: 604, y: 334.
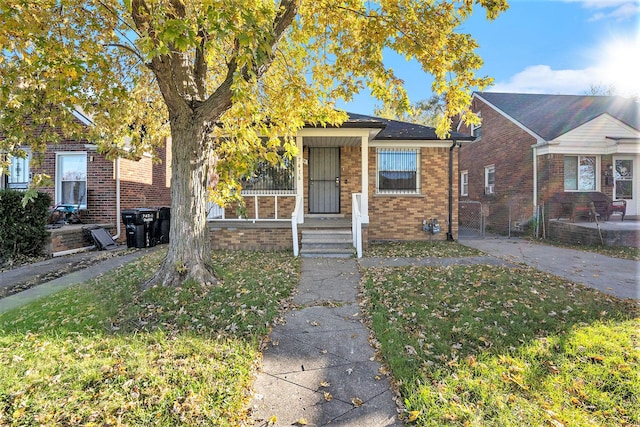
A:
x: 567, y: 232
x: 399, y: 217
x: 267, y: 237
x: 70, y: 237
x: 142, y: 183
x: 351, y: 176
x: 508, y: 147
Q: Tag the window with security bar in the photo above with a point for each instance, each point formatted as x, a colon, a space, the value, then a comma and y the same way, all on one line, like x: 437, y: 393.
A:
x: 271, y: 179
x: 398, y: 171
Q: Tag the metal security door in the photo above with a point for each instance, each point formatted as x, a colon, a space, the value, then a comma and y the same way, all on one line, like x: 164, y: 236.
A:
x: 324, y: 180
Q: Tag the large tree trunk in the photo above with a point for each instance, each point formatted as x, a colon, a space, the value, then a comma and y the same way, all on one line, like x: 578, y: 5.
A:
x: 189, y: 254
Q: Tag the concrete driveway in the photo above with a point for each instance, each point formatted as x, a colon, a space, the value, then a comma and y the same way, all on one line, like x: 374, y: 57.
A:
x: 614, y: 276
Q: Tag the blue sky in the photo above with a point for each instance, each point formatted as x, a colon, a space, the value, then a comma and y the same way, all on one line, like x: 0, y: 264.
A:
x: 537, y: 46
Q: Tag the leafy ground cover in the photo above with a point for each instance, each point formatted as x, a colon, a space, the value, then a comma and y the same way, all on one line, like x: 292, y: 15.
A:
x: 493, y: 346
x: 419, y: 249
x: 105, y: 353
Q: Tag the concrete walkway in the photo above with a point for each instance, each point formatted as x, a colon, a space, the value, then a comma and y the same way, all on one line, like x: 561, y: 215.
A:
x: 614, y: 276
x: 19, y: 299
x: 319, y: 366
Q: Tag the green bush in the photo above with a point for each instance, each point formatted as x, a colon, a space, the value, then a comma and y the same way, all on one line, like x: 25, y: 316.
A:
x: 23, y: 230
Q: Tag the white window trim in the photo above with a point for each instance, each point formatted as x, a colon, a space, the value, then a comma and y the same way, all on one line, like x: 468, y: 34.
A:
x: 21, y: 185
x: 58, y: 180
x: 489, y: 188
x: 464, y: 189
x: 418, y: 190
x: 596, y: 172
x: 474, y: 127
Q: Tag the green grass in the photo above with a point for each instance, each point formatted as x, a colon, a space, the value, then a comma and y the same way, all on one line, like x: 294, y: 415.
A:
x: 419, y: 249
x: 104, y: 353
x: 493, y: 346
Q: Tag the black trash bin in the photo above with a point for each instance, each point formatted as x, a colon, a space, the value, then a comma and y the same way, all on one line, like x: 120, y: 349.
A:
x: 162, y: 225
x: 139, y: 225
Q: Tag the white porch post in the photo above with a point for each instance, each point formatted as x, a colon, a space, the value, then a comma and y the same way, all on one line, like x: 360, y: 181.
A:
x: 364, y: 208
x: 300, y: 178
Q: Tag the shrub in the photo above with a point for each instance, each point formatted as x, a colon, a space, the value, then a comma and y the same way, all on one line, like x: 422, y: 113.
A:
x: 22, y: 228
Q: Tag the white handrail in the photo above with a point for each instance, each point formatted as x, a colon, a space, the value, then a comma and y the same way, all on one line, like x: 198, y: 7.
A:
x: 356, y: 222
x: 294, y: 225
x: 217, y: 213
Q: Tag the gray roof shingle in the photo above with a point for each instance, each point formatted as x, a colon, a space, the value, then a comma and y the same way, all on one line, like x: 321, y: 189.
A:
x: 550, y: 116
x: 397, y: 130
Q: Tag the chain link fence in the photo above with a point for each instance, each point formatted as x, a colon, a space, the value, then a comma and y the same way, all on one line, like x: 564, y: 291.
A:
x: 470, y: 219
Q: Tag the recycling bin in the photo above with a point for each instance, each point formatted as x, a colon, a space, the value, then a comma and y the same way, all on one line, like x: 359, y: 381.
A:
x: 162, y: 225
x: 139, y: 225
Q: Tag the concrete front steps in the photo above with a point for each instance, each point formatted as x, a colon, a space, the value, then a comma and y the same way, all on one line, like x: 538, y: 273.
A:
x: 327, y: 243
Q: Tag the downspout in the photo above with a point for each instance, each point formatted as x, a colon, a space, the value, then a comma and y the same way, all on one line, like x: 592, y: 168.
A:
x: 450, y: 219
x: 118, y: 226
x: 535, y: 181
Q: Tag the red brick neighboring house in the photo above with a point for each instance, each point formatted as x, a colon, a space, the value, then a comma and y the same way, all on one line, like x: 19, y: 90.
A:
x: 530, y: 147
x: 100, y: 188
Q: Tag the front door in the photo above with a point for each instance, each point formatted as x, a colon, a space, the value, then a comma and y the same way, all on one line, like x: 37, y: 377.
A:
x: 625, y: 183
x: 324, y: 180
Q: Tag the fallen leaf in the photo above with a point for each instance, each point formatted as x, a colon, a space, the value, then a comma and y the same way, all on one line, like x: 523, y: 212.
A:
x: 357, y: 402
x: 301, y: 422
x: 272, y: 420
x: 324, y: 384
x: 327, y: 396
x: 413, y: 415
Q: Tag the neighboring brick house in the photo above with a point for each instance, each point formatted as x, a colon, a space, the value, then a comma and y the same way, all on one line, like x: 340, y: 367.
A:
x: 397, y: 175
x: 84, y: 178
x: 530, y: 147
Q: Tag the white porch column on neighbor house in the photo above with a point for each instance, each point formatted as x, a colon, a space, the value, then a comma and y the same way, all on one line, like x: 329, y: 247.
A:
x: 364, y: 210
x: 300, y: 178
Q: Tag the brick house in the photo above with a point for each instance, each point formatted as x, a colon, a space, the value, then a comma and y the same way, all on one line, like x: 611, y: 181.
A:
x: 100, y: 188
x: 530, y: 147
x: 379, y: 178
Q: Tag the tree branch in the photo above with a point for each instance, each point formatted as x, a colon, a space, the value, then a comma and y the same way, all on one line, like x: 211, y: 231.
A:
x: 220, y: 100
x: 127, y: 48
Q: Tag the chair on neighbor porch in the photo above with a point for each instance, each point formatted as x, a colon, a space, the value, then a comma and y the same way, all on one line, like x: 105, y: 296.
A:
x: 588, y: 204
x: 618, y: 206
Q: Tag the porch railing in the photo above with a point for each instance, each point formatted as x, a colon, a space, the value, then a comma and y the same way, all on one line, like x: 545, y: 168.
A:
x: 356, y: 222
x: 294, y: 225
x: 217, y: 213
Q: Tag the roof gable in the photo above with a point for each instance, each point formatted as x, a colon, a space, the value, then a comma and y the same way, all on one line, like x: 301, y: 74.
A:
x: 550, y: 116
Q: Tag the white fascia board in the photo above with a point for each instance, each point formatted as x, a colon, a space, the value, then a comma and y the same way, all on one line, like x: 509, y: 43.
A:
x: 539, y: 139
x: 358, y: 132
x: 82, y: 116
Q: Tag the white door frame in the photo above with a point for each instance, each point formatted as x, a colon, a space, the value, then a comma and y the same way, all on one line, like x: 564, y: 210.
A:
x: 633, y: 205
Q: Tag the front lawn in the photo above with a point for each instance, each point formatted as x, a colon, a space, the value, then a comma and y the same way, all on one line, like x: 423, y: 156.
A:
x: 105, y: 354
x: 493, y: 346
x: 420, y: 249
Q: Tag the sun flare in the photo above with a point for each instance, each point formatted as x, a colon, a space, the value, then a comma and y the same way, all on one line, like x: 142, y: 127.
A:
x: 619, y: 65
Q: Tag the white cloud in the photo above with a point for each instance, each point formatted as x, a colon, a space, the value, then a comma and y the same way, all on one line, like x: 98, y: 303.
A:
x: 615, y: 65
x: 618, y: 10
x: 544, y: 79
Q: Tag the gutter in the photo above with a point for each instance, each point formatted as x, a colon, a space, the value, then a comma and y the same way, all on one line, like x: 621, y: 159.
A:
x: 116, y: 163
x: 450, y: 219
